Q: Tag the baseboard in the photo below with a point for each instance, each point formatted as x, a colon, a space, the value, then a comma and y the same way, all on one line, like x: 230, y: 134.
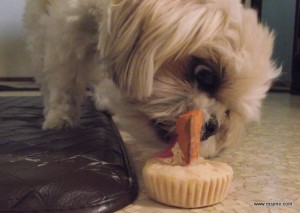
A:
x: 281, y: 86
x: 8, y: 84
x: 17, y: 79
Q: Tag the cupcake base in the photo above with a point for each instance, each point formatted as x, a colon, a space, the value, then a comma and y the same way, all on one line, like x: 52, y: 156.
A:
x: 200, y: 184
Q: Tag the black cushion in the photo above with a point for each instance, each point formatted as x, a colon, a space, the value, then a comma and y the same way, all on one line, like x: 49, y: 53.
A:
x: 77, y: 170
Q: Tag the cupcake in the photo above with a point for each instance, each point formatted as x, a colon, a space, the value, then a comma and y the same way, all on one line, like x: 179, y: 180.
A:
x: 179, y: 177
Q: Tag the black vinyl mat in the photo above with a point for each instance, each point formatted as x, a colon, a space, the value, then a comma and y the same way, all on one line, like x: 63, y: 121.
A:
x: 85, y: 169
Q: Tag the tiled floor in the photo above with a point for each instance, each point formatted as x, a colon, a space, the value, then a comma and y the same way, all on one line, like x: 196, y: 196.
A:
x: 266, y: 164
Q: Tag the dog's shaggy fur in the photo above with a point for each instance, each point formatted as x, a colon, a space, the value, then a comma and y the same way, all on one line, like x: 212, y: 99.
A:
x: 165, y: 57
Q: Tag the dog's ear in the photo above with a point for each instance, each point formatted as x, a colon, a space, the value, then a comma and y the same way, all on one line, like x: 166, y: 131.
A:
x: 143, y: 35
x: 131, y: 64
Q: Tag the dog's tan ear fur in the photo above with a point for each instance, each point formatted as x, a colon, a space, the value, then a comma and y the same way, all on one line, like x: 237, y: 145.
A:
x: 142, y: 35
x: 119, y: 46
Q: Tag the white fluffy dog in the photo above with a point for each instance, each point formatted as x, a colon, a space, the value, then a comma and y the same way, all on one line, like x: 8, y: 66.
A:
x: 165, y: 57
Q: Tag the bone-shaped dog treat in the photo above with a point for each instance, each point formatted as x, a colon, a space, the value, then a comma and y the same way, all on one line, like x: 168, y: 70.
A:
x: 189, y: 132
x: 186, y: 145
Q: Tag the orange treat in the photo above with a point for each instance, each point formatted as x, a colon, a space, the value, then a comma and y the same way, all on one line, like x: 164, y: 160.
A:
x: 189, y: 133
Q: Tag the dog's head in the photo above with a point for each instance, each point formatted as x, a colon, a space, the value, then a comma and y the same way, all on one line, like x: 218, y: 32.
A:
x: 171, y: 56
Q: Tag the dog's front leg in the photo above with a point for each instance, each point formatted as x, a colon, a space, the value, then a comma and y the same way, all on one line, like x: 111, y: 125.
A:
x: 63, y: 92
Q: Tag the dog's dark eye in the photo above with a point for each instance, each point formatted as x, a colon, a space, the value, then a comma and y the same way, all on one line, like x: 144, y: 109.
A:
x: 204, y: 75
x: 206, y: 78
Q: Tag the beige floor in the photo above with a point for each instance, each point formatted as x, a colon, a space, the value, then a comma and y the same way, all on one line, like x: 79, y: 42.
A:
x: 266, y: 164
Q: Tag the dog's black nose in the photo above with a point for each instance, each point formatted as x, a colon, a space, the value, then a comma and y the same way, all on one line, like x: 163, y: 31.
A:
x: 210, y: 128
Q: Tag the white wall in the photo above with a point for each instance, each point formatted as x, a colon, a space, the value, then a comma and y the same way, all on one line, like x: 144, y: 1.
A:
x: 14, y: 59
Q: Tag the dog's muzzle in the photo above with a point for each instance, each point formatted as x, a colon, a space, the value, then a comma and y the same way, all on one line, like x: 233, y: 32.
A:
x: 210, y: 128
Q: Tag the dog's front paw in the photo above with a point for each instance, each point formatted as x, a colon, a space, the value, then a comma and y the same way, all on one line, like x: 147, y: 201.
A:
x: 59, y: 121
